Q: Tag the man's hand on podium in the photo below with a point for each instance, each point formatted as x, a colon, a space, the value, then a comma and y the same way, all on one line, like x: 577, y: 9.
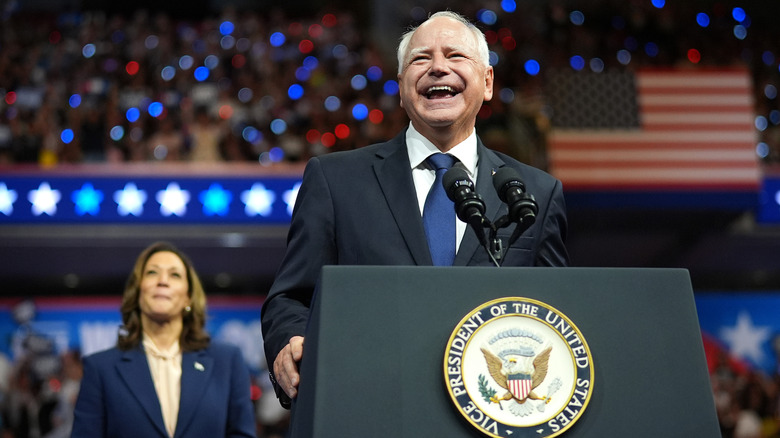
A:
x: 286, y: 366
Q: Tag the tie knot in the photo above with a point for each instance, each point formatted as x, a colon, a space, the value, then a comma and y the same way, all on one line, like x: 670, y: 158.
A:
x: 441, y: 161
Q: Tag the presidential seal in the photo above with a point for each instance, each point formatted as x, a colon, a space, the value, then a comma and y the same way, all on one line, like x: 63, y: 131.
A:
x: 516, y: 367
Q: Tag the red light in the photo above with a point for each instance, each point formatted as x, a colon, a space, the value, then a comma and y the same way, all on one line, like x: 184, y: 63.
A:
x: 376, y: 116
x: 491, y: 36
x: 238, y: 60
x: 255, y: 392
x: 55, y: 384
x: 55, y: 37
x: 694, y: 56
x: 306, y: 46
x: 313, y: 136
x: 295, y: 29
x: 225, y: 112
x: 329, y: 20
x: 315, y: 31
x: 504, y: 33
x: 509, y: 43
x: 342, y: 131
x: 328, y: 139
x: 132, y: 68
x: 10, y: 97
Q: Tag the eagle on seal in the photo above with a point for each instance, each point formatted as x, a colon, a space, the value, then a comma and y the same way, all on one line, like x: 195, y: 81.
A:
x: 519, y: 382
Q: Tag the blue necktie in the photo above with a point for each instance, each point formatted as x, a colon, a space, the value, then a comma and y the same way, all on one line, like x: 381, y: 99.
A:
x: 439, y: 214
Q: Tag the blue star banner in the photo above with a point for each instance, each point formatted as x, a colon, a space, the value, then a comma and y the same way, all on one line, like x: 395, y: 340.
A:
x: 134, y: 199
x: 744, y: 325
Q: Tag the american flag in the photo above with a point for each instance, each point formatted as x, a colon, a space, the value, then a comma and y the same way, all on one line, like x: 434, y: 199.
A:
x: 654, y: 129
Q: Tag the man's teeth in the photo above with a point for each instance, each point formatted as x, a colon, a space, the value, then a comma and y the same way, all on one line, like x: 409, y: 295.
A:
x: 441, y: 88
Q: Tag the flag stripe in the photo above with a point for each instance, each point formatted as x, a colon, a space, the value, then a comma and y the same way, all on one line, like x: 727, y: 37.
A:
x: 696, y: 130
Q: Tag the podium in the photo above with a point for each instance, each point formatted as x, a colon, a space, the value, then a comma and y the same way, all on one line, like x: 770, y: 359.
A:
x: 375, y: 345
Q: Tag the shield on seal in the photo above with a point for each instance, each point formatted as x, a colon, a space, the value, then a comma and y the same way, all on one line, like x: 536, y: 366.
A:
x: 519, y: 385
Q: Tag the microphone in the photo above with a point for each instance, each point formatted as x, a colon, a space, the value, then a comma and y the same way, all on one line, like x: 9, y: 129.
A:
x: 469, y: 206
x: 511, y: 191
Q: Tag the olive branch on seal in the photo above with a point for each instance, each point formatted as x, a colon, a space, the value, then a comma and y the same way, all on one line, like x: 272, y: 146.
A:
x: 486, y: 391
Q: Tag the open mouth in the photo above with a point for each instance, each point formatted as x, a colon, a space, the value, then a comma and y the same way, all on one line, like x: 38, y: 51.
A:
x: 440, y: 92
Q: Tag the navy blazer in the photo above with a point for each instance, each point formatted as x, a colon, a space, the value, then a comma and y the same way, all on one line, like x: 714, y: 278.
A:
x: 117, y: 396
x: 360, y: 208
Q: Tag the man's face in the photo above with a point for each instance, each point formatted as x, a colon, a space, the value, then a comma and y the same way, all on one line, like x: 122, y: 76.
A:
x: 443, y: 82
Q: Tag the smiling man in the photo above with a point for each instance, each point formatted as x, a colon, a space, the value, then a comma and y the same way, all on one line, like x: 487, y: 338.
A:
x: 368, y: 206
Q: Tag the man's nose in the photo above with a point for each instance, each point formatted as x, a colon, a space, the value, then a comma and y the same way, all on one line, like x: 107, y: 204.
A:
x: 439, y: 65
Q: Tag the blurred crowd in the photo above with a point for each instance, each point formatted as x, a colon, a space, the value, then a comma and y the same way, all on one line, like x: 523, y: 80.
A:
x: 93, y: 86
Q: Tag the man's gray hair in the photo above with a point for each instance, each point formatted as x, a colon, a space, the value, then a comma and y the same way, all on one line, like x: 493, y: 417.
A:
x: 479, y: 37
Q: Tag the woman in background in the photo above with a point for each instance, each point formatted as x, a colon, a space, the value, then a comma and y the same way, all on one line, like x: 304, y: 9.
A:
x: 165, y: 378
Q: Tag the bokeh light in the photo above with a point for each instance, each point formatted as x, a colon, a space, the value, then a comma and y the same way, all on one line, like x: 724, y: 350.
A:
x: 67, y: 136
x: 359, y: 111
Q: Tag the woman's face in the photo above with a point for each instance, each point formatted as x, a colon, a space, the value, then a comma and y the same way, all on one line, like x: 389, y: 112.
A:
x: 164, y: 287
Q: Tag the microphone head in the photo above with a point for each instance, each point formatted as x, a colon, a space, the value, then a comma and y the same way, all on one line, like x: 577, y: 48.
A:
x: 454, y: 178
x: 504, y: 179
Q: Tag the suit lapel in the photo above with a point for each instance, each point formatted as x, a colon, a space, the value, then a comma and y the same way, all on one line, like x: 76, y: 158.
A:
x: 134, y: 372
x: 393, y: 171
x: 196, y: 369
x: 489, y: 163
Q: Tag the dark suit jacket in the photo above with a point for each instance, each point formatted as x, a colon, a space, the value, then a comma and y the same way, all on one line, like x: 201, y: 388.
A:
x: 117, y: 396
x: 360, y: 208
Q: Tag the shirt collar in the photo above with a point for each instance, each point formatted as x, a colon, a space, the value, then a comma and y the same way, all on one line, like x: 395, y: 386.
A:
x: 419, y: 148
x: 152, y: 348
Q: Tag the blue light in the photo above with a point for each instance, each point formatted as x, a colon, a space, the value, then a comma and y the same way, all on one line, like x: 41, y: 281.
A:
x: 310, y: 62
x: 651, y: 49
x: 761, y: 123
x: 276, y: 154
x: 506, y: 95
x: 332, y: 103
x: 185, y: 62
x: 774, y: 117
x: 211, y: 62
x: 252, y: 135
x: 87, y: 200
x: 155, y: 109
x: 740, y: 32
x: 88, y: 50
x: 762, y: 150
x: 227, y: 42
x: 295, y: 91
x: 67, y: 136
x: 624, y: 56
x: 132, y: 115
x: 703, y: 19
x: 374, y: 73
x: 659, y: 3
x: 168, y: 73
x: 493, y: 58
x: 74, y: 101
x: 768, y: 58
x: 215, y: 200
x: 738, y: 14
x: 201, y: 74
x: 487, y: 16
x: 597, y: 65
x: 532, y: 67
x: 358, y: 82
x: 391, y: 88
x: 770, y: 91
x: 577, y: 18
x: 116, y: 133
x: 340, y: 51
x: 577, y: 62
x: 359, y: 111
x: 508, y: 5
x: 245, y: 95
x: 302, y: 74
x: 278, y: 126
x: 277, y: 39
x: 226, y: 28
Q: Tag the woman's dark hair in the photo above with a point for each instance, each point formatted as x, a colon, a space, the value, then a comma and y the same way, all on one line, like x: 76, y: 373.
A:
x: 193, y: 334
